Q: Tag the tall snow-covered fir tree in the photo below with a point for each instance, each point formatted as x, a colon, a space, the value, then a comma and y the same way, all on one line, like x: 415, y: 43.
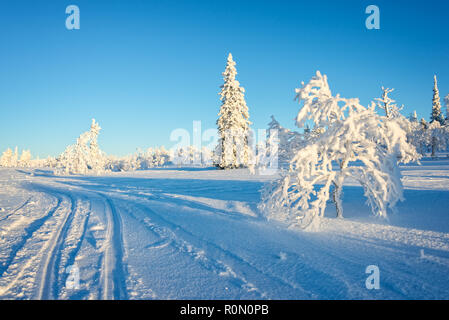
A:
x: 436, y: 114
x: 233, y: 149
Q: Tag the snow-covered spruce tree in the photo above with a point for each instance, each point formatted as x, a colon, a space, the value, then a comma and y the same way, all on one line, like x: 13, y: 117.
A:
x: 436, y: 114
x: 435, y: 131
x: 233, y: 149
x: 84, y: 156
x: 355, y: 143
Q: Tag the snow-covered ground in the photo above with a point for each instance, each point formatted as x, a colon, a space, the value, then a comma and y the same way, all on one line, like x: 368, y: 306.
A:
x: 197, y: 234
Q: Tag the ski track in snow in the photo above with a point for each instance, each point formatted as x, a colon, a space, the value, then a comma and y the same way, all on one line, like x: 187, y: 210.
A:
x: 171, y: 234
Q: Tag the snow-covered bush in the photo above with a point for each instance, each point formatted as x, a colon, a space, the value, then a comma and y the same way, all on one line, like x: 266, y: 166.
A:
x: 355, y: 143
x: 84, y: 156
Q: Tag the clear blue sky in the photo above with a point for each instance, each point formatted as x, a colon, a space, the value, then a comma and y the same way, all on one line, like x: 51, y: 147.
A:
x: 143, y: 68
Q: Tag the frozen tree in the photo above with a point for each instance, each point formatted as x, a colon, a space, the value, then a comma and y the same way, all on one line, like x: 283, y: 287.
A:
x: 424, y: 123
x: 141, y: 160
x: 233, y: 148
x: 436, y: 136
x: 15, y: 158
x: 84, y: 156
x: 417, y: 135
x: 388, y: 105
x: 392, y: 111
x: 181, y: 156
x: 206, y: 156
x: 6, y: 159
x: 10, y: 158
x: 97, y: 159
x: 413, y: 117
x: 25, y: 159
x: 436, y: 114
x: 289, y: 141
x: 280, y: 146
x: 355, y: 143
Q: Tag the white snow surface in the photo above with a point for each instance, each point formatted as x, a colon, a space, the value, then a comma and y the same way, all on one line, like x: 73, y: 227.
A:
x: 186, y: 233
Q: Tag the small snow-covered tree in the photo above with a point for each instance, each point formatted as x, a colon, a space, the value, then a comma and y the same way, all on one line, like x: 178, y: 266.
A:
x: 392, y: 111
x: 417, y: 135
x: 413, y: 117
x: 436, y: 137
x: 289, y: 141
x: 436, y: 114
x: 15, y: 158
x: 6, y: 159
x: 84, y: 156
x: 97, y: 159
x: 25, y: 159
x: 424, y: 123
x: 355, y: 143
x: 280, y: 146
x: 206, y: 156
x: 233, y: 149
x: 387, y: 104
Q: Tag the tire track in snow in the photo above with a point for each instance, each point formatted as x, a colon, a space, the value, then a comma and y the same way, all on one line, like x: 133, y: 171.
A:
x: 113, y: 272
x: 48, y: 288
x: 219, y: 263
x: 17, y: 209
x: 29, y: 233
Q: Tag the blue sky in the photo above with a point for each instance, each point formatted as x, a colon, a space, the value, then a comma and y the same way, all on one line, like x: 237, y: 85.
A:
x: 144, y: 68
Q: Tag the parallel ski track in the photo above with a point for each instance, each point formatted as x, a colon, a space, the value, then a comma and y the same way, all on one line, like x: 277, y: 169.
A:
x: 113, y: 270
x: 16, y: 209
x: 217, y: 259
x: 48, y: 287
x: 29, y: 233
